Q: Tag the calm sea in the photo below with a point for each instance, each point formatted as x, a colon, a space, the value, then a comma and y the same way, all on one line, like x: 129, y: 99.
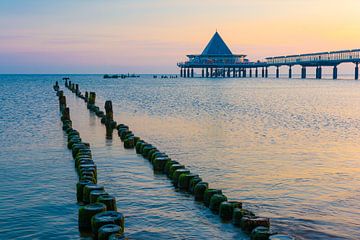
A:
x: 289, y: 149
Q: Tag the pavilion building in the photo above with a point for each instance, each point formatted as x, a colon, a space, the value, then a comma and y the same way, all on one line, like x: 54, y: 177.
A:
x: 216, y: 60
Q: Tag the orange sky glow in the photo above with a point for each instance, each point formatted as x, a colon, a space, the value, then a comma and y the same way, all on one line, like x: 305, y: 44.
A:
x: 152, y: 36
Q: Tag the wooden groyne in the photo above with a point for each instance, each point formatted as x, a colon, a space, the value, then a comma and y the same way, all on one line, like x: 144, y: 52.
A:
x: 182, y: 178
x: 98, y: 215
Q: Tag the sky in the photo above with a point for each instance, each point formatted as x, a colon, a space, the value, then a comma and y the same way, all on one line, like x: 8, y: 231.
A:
x: 151, y: 36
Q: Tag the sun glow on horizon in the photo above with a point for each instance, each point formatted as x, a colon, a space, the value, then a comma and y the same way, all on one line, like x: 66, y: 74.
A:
x: 143, y: 36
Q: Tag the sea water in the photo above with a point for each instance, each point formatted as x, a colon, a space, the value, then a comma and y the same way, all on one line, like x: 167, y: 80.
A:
x: 287, y: 148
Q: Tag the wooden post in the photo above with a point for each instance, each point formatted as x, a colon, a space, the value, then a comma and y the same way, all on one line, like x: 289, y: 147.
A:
x: 66, y: 114
x: 86, y: 96
x: 92, y: 98
x: 62, y: 103
x: 109, y: 110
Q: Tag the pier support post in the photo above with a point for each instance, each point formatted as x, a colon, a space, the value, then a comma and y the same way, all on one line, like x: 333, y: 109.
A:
x: 228, y: 72
x: 357, y: 71
x: 303, y: 72
x: 250, y: 72
x: 202, y: 72
x: 263, y: 72
x: 211, y: 72
x: 181, y: 72
x: 277, y: 72
x: 318, y: 72
x: 244, y: 73
x: 207, y: 72
x: 239, y: 72
x: 266, y: 72
x: 290, y: 72
x: 223, y: 72
x: 192, y: 72
x: 335, y: 72
x: 188, y: 72
x: 256, y: 72
x: 234, y: 72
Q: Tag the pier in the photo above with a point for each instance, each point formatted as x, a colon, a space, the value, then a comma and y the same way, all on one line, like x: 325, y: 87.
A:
x: 218, y: 61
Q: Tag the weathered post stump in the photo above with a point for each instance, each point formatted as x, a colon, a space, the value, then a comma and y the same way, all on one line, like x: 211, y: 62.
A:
x: 208, y: 194
x: 87, y: 212
x: 199, y: 191
x: 107, y: 217
x: 66, y: 115
x: 86, y: 96
x: 107, y: 230
x: 91, y: 101
x: 215, y: 202
x: 62, y: 102
x: 109, y: 201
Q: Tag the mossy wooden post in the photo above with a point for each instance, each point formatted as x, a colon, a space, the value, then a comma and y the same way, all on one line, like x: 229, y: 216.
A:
x: 62, y: 103
x: 66, y: 81
x: 56, y: 86
x: 109, y: 110
x: 109, y: 118
x: 59, y: 94
x: 77, y: 89
x: 69, y: 85
x: 66, y: 114
x: 91, y: 100
x: 86, y: 96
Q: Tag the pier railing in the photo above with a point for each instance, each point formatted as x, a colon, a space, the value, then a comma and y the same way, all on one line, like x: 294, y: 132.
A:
x: 322, y: 58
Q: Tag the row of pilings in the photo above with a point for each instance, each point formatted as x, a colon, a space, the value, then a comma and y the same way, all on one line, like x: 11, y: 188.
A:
x: 182, y: 178
x: 263, y: 72
x: 97, y: 215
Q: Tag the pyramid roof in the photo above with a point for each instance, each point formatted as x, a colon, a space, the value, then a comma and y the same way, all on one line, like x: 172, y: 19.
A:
x: 216, y: 46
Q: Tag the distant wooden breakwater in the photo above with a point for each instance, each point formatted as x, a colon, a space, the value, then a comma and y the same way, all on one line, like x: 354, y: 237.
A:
x: 98, y: 212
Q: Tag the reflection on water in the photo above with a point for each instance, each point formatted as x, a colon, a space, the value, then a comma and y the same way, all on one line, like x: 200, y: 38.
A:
x: 287, y: 148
